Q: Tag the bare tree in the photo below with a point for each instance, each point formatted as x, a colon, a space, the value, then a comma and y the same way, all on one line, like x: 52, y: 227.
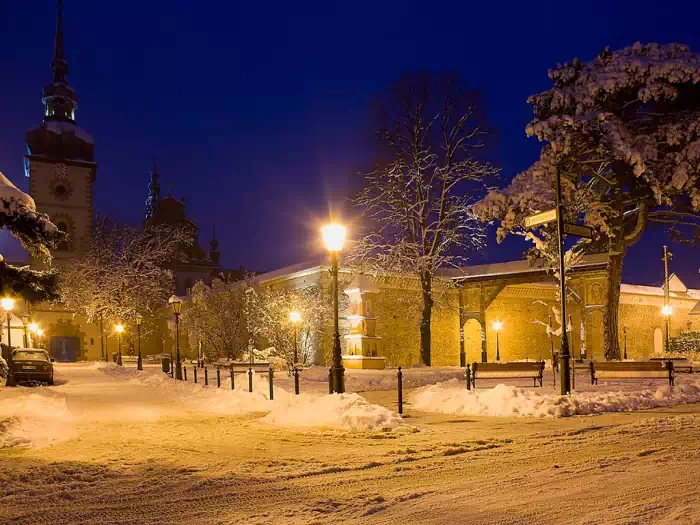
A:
x: 123, y: 271
x: 217, y: 317
x: 418, y: 202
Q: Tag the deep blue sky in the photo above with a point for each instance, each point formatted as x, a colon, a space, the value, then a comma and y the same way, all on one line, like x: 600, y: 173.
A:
x: 257, y: 112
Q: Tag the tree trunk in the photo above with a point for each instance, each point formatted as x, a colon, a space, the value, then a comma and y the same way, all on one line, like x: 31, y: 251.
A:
x: 426, y: 313
x: 613, y: 273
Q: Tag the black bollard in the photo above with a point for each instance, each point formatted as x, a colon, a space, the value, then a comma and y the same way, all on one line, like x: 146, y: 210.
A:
x: 194, y: 369
x: 469, y: 378
x: 271, y: 380
x: 206, y: 376
x: 218, y: 377
x: 232, y: 380
x: 250, y: 379
x: 296, y: 380
x: 184, y: 369
x: 330, y: 380
x: 399, y: 377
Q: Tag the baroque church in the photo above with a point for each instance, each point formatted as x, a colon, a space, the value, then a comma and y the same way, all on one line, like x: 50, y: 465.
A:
x: 61, y: 166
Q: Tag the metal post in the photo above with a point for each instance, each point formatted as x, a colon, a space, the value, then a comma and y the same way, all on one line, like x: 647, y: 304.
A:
x: 296, y: 380
x: 399, y: 377
x: 206, y: 376
x: 469, y: 377
x: 119, y: 353
x: 184, y: 372
x: 551, y: 344
x: 564, y: 357
x: 296, y: 359
x: 233, y: 385
x: 338, y: 370
x: 330, y: 380
x: 10, y: 372
x: 139, y: 363
x: 271, y: 380
x: 498, y: 348
x: 178, y: 363
x: 26, y: 335
x: 102, y: 341
x: 194, y: 369
x: 218, y: 377
x: 667, y: 301
x: 624, y: 337
x: 250, y: 379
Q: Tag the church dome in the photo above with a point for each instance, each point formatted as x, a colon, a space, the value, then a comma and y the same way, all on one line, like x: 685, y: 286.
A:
x: 60, y: 139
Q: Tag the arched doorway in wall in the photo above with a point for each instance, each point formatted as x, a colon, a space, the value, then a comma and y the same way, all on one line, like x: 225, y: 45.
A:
x: 472, y: 340
x: 594, y: 335
x: 658, y: 341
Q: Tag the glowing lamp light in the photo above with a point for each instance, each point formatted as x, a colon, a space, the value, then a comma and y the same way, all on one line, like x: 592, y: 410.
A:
x: 119, y: 328
x: 176, y: 304
x: 294, y: 317
x: 139, y: 319
x: 498, y: 325
x: 8, y: 303
x: 39, y: 332
x: 333, y: 236
x: 34, y: 328
x: 667, y: 310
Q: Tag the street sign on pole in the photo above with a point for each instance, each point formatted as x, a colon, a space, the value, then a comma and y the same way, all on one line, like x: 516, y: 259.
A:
x: 541, y: 218
x: 579, y: 231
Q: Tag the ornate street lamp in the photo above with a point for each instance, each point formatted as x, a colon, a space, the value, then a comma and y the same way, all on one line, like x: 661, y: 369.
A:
x: 334, y: 238
x: 176, y: 305
x: 295, y: 317
x: 498, y: 325
x: 8, y: 303
x: 624, y: 336
x: 139, y: 320
x: 119, y: 329
x: 25, y: 320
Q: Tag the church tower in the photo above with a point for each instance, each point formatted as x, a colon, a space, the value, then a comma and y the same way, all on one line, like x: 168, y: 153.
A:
x: 60, y: 160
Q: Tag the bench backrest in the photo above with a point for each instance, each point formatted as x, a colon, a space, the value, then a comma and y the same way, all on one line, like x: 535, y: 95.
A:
x: 525, y: 366
x: 630, y: 366
x: 257, y: 367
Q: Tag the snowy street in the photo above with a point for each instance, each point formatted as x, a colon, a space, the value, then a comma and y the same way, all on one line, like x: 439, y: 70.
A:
x: 102, y: 447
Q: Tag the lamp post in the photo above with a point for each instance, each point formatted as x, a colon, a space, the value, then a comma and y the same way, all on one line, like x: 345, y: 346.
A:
x: 176, y: 305
x: 8, y: 303
x: 139, y: 320
x: 334, y: 237
x: 119, y: 329
x: 33, y: 328
x: 667, y: 310
x: 295, y: 317
x: 624, y: 338
x: 25, y: 320
x: 498, y: 325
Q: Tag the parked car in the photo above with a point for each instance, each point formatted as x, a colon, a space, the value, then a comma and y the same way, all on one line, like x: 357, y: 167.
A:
x: 32, y: 364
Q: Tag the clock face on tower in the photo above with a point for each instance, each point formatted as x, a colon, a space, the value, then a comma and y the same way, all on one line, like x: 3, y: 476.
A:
x: 60, y: 171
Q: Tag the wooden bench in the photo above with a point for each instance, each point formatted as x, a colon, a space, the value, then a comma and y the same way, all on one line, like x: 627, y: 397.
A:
x: 521, y: 370
x: 239, y: 366
x: 632, y: 370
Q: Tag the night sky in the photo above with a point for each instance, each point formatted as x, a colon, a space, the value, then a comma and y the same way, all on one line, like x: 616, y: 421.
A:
x: 257, y: 112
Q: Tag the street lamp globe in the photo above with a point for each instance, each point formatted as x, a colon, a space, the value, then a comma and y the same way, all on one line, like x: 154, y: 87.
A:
x: 497, y: 325
x: 333, y: 236
x: 39, y: 332
x: 34, y: 328
x: 139, y: 320
x: 294, y: 317
x: 667, y: 310
x: 119, y: 328
x: 7, y: 303
x: 175, y: 304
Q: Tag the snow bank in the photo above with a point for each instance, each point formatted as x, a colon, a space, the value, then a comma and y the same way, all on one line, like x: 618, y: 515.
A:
x: 344, y: 412
x: 35, y: 420
x: 453, y: 398
x: 341, y: 411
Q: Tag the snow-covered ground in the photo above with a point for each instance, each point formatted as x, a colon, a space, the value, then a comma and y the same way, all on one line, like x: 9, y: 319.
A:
x: 113, y: 445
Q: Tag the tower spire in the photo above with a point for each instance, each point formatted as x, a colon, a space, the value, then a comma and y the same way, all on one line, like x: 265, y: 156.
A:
x: 153, y: 192
x: 214, y: 253
x: 59, y: 97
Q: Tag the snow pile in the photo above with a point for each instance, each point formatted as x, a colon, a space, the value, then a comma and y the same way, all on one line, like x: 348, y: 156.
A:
x: 35, y: 420
x: 503, y: 400
x: 343, y: 412
x: 340, y: 411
